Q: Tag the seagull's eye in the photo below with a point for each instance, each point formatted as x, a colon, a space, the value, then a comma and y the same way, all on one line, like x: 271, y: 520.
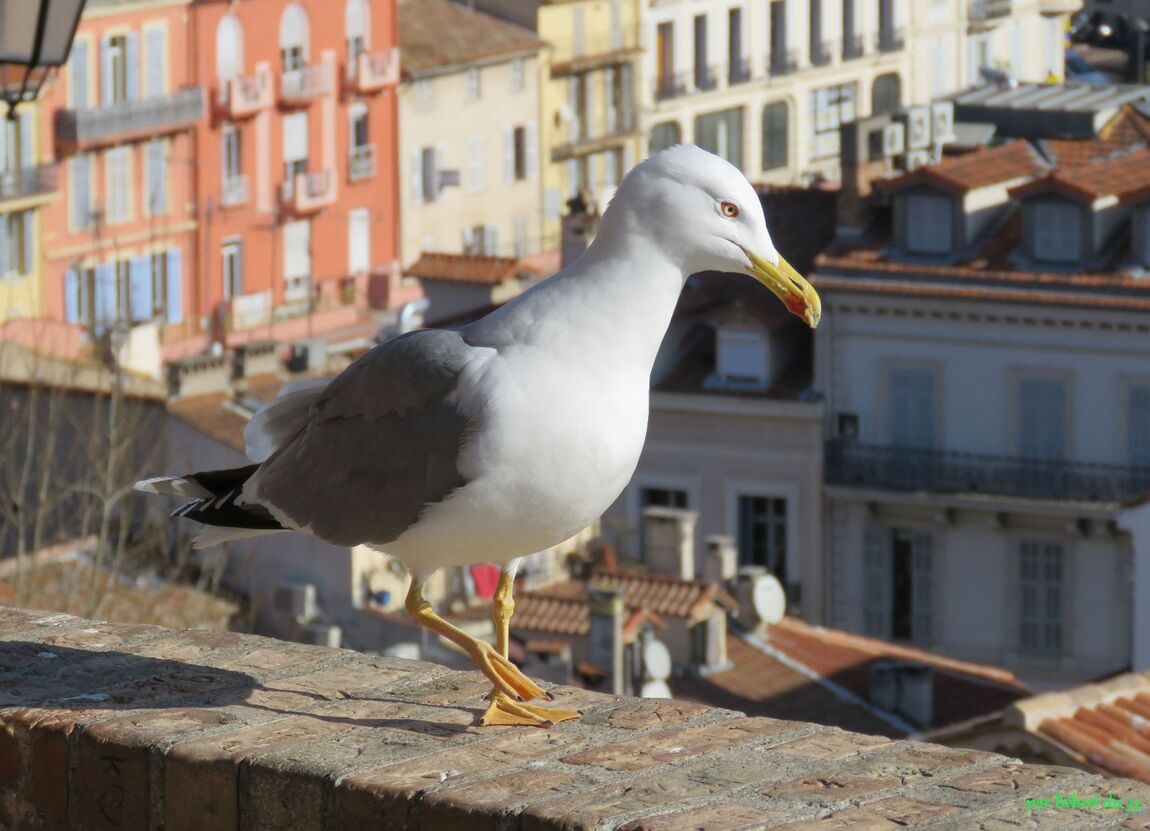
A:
x: 729, y: 209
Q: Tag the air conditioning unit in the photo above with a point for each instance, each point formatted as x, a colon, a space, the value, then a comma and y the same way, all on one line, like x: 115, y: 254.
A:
x: 917, y: 121
x: 297, y: 600
x: 942, y: 122
x: 893, y: 139
x: 916, y: 159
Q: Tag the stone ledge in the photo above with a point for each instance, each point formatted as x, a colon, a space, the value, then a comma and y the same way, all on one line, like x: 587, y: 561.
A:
x: 107, y: 726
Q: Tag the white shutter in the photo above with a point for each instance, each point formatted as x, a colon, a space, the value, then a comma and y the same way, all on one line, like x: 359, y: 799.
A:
x: 491, y: 240
x: 508, y: 155
x: 132, y: 64
x: 359, y: 241
x: 154, y: 61
x: 521, y: 235
x: 78, y: 74
x: 440, y: 164
x: 157, y: 179
x: 27, y: 143
x: 929, y: 225
x: 107, y: 76
x: 417, y: 178
x: 297, y: 249
x: 295, y: 137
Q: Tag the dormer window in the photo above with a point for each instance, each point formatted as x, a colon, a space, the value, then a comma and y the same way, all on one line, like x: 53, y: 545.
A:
x: 741, y: 358
x: 929, y: 224
x: 1056, y: 232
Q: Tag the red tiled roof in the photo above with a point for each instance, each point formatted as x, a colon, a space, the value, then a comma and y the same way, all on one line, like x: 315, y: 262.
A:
x: 435, y: 34
x: 465, y: 268
x: 666, y: 595
x: 970, y: 171
x: 1114, y: 176
x: 1072, y: 152
x: 570, y: 617
x: 1128, y: 127
x: 1106, y: 725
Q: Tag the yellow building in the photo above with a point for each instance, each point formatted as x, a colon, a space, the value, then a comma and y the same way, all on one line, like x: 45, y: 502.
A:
x: 589, y: 126
x: 27, y: 183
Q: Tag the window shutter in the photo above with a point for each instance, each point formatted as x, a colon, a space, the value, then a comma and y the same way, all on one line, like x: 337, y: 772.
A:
x: 81, y: 191
x: 359, y: 241
x: 157, y: 182
x: 929, y: 225
x: 27, y: 144
x: 1140, y: 426
x: 72, y: 296
x: 28, y: 220
x: 922, y: 594
x: 107, y: 80
x: 508, y: 155
x: 532, y: 152
x: 78, y: 74
x: 491, y: 240
x: 175, y: 288
x: 417, y: 178
x: 295, y: 137
x: 1057, y: 232
x: 105, y: 294
x: 297, y: 249
x: 132, y: 59
x: 140, y: 288
x: 154, y: 60
x: 440, y: 164
x: 876, y: 580
x: 613, y: 104
x: 1041, y: 419
x: 912, y: 416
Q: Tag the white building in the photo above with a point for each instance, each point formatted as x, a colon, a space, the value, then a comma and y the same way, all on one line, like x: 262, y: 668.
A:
x: 766, y: 84
x: 986, y: 370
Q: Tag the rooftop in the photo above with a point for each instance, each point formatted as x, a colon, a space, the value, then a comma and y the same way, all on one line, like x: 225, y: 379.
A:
x: 465, y: 268
x: 980, y: 168
x: 662, y: 594
x: 439, y: 35
x: 109, y: 725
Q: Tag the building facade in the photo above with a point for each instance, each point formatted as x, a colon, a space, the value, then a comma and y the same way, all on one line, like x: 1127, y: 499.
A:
x: 28, y: 182
x: 470, y: 180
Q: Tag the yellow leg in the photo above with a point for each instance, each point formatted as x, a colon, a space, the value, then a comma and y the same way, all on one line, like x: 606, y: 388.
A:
x: 502, y: 673
x: 503, y: 710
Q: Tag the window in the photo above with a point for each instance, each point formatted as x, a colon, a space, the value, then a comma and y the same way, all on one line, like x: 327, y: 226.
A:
x: 297, y: 259
x: 520, y: 232
x: 665, y: 55
x: 739, y: 69
x: 741, y: 357
x: 1042, y: 419
x: 819, y: 54
x: 898, y: 583
x: 886, y: 94
x: 578, y: 29
x: 722, y: 134
x: 665, y: 135
x: 119, y: 68
x: 80, y: 193
x: 156, y: 181
x: 1040, y: 597
x: 1139, y: 427
x: 230, y: 154
x: 475, y: 164
x: 295, y: 143
x: 16, y: 240
x: 779, y: 57
x: 155, y: 61
x: 704, y: 77
x: 424, y: 94
x: 141, y: 290
x: 357, y: 29
x: 929, y: 224
x: 118, y: 178
x: 233, y: 257
x: 293, y: 37
x: 78, y: 74
x: 518, y: 75
x: 1057, y: 232
x: 359, y: 241
x: 471, y: 80
x: 662, y: 497
x: 229, y: 49
x: 482, y: 240
x: 776, y: 135
x: 426, y: 171
x: 357, y: 118
x: 519, y: 143
x: 832, y: 107
x: 763, y: 534
x: 912, y: 408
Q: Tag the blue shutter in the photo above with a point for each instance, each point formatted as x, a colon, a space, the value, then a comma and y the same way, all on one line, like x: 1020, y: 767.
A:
x: 27, y: 145
x: 78, y: 74
x: 157, y: 179
x: 72, y: 296
x: 132, y: 59
x: 29, y: 240
x: 140, y: 288
x: 105, y: 294
x: 106, y: 78
x: 154, y: 61
x: 175, y: 287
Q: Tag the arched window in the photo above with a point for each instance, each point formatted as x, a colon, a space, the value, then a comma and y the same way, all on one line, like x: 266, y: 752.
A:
x: 229, y: 49
x: 885, y: 94
x: 664, y: 135
x: 775, y: 135
x: 293, y: 37
x: 357, y: 26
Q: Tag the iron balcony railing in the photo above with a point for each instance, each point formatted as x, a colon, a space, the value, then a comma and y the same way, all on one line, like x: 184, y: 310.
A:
x: 940, y: 471
x: 891, y: 39
x: 361, y: 162
x: 821, y: 52
x: 28, y: 181
x: 989, y: 9
x: 234, y: 190
x: 671, y: 85
x: 126, y: 119
x: 783, y: 62
x: 739, y: 71
x: 853, y: 47
x: 706, y: 78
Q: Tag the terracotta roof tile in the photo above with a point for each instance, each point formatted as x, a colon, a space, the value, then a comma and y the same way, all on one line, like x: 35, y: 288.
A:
x: 666, y: 595
x: 1128, y: 127
x: 208, y: 415
x: 1008, y: 162
x: 1114, y: 176
x: 436, y: 34
x: 1072, y: 152
x: 465, y: 268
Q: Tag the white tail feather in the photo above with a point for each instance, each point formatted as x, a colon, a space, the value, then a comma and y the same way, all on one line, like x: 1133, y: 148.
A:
x: 174, y: 486
x: 216, y: 534
x: 282, y: 418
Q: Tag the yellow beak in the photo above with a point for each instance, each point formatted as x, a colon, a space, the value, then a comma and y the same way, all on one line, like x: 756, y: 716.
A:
x: 797, y: 294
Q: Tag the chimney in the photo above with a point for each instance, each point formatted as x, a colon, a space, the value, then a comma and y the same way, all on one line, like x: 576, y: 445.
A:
x: 669, y: 541
x: 605, y: 639
x: 579, y: 227
x: 862, y: 160
x: 721, y: 560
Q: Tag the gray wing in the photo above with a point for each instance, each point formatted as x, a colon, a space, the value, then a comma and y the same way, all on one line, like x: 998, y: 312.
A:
x: 381, y: 443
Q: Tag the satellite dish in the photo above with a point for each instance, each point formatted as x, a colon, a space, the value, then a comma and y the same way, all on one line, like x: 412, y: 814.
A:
x: 655, y: 689
x: 768, y: 598
x: 657, y: 662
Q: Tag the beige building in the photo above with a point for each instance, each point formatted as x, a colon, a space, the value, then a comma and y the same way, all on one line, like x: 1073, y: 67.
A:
x: 469, y: 133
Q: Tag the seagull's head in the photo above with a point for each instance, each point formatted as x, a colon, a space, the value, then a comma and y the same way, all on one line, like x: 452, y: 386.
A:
x: 702, y: 210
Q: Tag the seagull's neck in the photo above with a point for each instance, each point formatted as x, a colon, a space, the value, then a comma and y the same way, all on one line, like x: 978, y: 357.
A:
x: 616, y: 299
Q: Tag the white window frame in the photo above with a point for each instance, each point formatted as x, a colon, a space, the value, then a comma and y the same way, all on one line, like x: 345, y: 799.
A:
x: 517, y: 72
x: 232, y: 248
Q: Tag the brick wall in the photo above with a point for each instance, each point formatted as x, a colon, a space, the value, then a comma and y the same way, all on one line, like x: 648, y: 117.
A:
x: 108, y: 726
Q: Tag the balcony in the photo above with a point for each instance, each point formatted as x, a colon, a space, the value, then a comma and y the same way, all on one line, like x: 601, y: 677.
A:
x: 593, y: 54
x: 706, y: 78
x: 671, y: 86
x: 945, y: 472
x: 307, y: 193
x: 373, y: 71
x: 625, y: 129
x: 299, y: 87
x: 821, y: 51
x: 783, y: 62
x: 853, y: 47
x: 361, y: 163
x: 234, y: 191
x: 738, y: 71
x: 127, y: 120
x: 986, y: 13
x: 26, y: 184
x: 891, y: 39
x: 244, y: 97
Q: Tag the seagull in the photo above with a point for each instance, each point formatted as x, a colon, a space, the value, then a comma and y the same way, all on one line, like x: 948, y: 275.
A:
x: 507, y: 436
